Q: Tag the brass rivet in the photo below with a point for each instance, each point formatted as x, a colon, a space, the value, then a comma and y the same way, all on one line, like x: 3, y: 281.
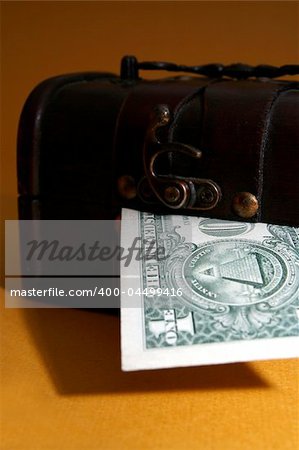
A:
x: 172, y: 194
x: 206, y: 195
x: 127, y: 187
x: 245, y: 204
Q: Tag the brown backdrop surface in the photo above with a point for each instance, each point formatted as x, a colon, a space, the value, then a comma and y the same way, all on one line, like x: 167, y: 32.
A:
x: 61, y: 383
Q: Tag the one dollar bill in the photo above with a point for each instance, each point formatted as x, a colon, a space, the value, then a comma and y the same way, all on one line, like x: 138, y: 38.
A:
x: 207, y: 291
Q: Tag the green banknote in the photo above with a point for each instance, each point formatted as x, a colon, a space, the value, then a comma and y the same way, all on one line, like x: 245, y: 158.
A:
x: 205, y: 291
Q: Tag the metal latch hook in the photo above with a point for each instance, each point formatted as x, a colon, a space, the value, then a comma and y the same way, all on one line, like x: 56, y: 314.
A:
x: 174, y: 191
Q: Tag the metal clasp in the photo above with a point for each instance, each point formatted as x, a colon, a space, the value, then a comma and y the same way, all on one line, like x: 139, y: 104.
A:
x: 174, y: 191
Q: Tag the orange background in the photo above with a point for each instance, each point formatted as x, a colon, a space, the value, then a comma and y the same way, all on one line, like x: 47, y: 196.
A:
x: 60, y: 369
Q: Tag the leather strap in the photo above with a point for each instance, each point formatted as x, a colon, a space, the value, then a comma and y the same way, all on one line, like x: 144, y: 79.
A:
x: 232, y: 135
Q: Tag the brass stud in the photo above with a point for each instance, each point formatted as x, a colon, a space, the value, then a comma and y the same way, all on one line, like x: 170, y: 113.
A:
x: 127, y: 187
x: 206, y: 195
x: 245, y: 205
x: 172, y: 194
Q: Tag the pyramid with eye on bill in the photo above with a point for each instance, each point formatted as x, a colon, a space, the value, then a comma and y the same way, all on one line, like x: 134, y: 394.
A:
x: 243, y: 269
